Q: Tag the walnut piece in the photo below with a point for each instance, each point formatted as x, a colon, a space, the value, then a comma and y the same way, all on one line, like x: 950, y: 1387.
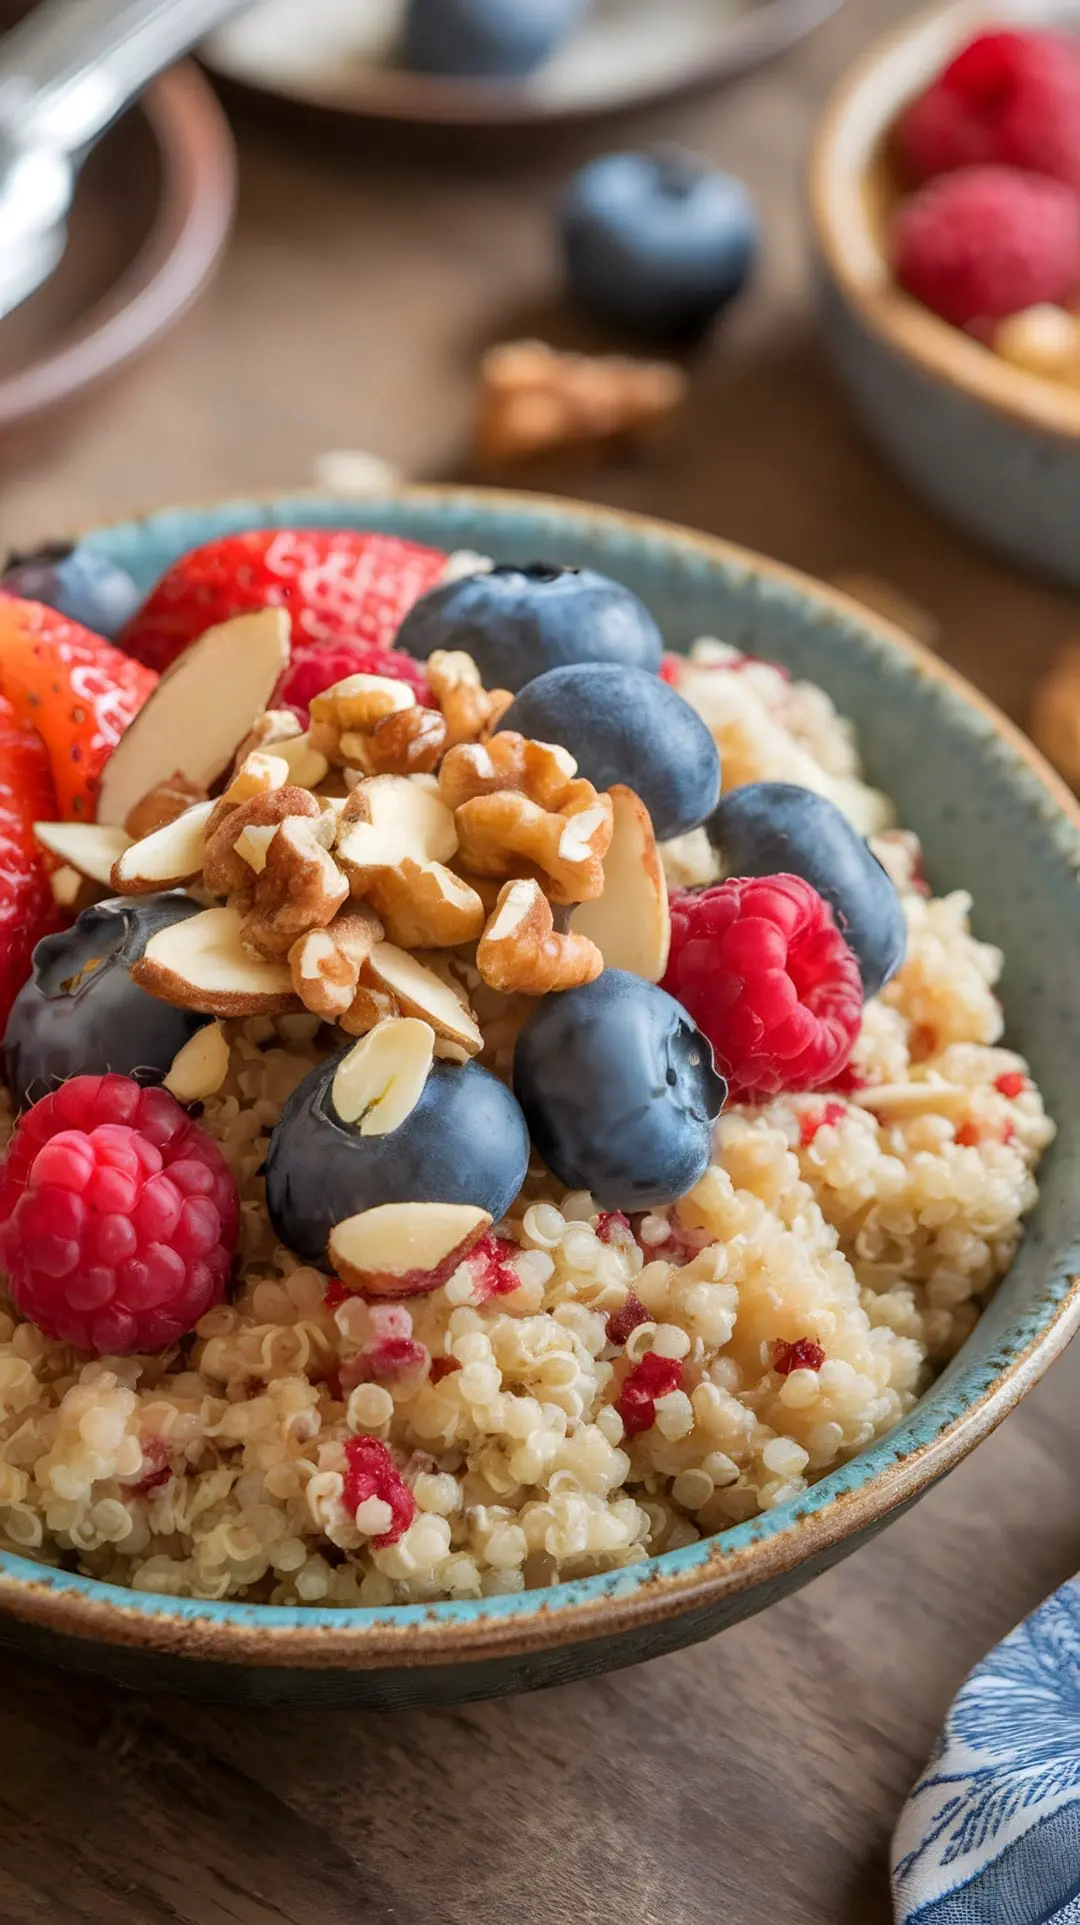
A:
x: 534, y: 399
x: 469, y: 709
x: 299, y: 887
x: 541, y: 770
x: 343, y: 716
x: 1055, y: 713
x: 225, y: 871
x: 496, y: 832
x: 520, y: 950
x: 407, y: 742
x: 162, y: 805
x: 326, y: 964
x: 426, y: 906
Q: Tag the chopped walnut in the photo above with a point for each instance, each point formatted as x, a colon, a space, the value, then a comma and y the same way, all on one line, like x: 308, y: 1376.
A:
x: 1055, y: 713
x: 273, y: 725
x: 496, y: 832
x: 326, y: 963
x: 343, y: 717
x: 426, y: 906
x: 469, y: 709
x: 541, y: 770
x: 163, y: 805
x: 298, y: 888
x: 520, y: 949
x: 407, y: 742
x: 534, y: 399
x: 226, y: 872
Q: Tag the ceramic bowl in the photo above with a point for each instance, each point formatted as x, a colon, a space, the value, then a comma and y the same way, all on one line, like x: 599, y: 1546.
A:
x: 994, y: 448
x: 993, y: 816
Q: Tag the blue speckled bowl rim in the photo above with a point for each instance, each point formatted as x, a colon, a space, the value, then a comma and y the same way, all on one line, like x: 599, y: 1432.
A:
x: 913, y: 332
x: 851, y: 1501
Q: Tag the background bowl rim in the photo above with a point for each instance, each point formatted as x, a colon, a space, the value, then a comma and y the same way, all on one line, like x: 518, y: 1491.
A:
x: 845, y: 237
x: 677, y: 1582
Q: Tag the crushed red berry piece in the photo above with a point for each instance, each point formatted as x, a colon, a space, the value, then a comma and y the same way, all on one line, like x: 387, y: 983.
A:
x: 650, y: 1378
x: 443, y: 1367
x: 336, y: 584
x: 612, y: 1226
x: 671, y: 668
x: 314, y: 669
x: 969, y: 1135
x: 1008, y: 1130
x: 1012, y: 1084
x: 335, y: 1293
x: 984, y: 242
x: 764, y: 971
x: 622, y: 1322
x: 155, y: 1452
x: 118, y: 1217
x: 386, y: 1357
x: 372, y: 1472
x: 1007, y: 97
x: 803, y: 1354
x: 811, y: 1121
x: 491, y: 1263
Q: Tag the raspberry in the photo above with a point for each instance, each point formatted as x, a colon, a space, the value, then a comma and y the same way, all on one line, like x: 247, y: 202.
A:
x: 118, y: 1217
x: 491, y: 1262
x: 764, y: 971
x: 372, y: 1472
x: 654, y: 1376
x: 623, y: 1322
x: 311, y: 670
x: 1009, y: 98
x: 803, y: 1354
x: 985, y: 242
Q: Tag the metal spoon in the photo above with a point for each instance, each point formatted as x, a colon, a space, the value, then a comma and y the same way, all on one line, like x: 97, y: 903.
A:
x: 66, y: 72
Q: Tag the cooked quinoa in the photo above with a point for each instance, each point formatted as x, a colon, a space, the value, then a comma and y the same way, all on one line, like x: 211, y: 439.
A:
x: 836, y: 1253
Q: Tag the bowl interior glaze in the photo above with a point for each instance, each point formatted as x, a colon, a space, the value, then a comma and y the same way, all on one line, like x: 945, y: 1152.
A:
x: 992, y: 818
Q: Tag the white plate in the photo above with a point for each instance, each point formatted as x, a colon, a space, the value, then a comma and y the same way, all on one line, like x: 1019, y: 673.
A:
x: 339, y: 55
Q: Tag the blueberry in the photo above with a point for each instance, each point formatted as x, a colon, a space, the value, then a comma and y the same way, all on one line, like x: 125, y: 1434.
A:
x: 619, y: 1091
x: 81, y: 1014
x: 517, y: 622
x: 77, y: 583
x: 773, y: 828
x: 623, y: 725
x: 464, y: 1141
x: 658, y: 242
x: 485, y: 39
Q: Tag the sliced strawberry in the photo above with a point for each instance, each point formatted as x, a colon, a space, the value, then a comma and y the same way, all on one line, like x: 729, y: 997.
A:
x: 337, y: 585
x: 313, y: 669
x: 27, y: 910
x: 79, y: 692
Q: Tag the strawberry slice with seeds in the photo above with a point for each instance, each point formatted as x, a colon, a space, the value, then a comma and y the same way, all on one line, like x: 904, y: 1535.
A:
x: 336, y: 584
x: 78, y: 691
x: 27, y: 910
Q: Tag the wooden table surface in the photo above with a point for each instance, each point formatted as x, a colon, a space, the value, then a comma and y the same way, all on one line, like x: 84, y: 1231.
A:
x: 754, y: 1780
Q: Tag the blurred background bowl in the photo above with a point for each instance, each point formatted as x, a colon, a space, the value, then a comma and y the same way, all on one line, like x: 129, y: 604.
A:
x: 150, y: 219
x: 991, y: 446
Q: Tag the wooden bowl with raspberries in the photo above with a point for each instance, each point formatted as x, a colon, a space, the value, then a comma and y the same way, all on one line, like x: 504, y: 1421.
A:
x: 945, y: 205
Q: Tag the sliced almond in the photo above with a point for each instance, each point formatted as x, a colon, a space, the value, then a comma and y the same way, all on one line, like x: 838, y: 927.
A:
x: 66, y: 885
x: 200, y: 1068
x: 629, y: 922
x: 90, y: 848
x: 418, y: 991
x: 202, y: 964
x: 381, y: 1080
x: 388, y: 819
x: 260, y: 773
x: 307, y: 767
x: 167, y: 858
x: 404, y: 1249
x: 202, y: 707
x: 933, y: 1096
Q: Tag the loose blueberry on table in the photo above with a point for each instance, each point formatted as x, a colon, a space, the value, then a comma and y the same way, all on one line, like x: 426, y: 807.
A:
x: 658, y: 242
x: 412, y: 864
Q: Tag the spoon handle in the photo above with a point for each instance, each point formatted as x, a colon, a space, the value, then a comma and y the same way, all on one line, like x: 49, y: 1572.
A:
x: 67, y: 70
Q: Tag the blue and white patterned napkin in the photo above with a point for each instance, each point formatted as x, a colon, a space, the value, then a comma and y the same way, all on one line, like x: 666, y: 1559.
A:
x: 991, y: 1832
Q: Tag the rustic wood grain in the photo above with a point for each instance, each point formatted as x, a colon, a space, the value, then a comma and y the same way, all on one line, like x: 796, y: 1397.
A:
x: 754, y: 1780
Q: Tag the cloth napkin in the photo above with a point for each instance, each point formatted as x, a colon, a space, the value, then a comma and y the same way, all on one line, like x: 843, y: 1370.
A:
x: 991, y: 1832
